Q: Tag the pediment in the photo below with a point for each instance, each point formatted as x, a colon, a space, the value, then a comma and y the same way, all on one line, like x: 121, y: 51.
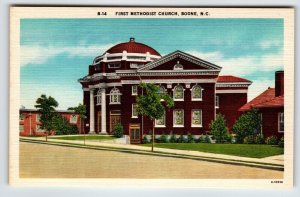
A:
x: 178, y: 61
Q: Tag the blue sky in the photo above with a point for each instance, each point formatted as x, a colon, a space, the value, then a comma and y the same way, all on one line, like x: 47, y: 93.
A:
x: 57, y: 52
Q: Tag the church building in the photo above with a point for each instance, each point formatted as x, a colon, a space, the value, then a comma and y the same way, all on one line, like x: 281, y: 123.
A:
x: 199, y: 92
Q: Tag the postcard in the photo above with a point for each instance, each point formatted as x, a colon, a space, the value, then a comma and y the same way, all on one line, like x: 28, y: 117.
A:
x: 151, y: 97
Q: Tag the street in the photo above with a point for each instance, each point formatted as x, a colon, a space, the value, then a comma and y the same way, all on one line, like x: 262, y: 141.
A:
x: 50, y: 161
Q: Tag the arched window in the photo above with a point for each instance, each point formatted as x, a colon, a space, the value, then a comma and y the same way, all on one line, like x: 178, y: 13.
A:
x: 197, y: 93
x: 98, y: 97
x: 115, y: 96
x: 178, y: 93
x: 162, y: 90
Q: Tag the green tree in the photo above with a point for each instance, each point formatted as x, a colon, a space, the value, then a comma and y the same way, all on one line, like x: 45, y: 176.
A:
x: 46, y: 106
x: 62, y: 126
x: 249, y: 124
x: 218, y: 129
x: 150, y: 104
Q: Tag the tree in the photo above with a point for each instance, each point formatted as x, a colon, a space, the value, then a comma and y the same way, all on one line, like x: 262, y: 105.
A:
x: 249, y: 124
x: 46, y: 106
x: 218, y: 129
x: 151, y: 104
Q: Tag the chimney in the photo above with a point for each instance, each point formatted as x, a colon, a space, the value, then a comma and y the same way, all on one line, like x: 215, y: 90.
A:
x: 279, y: 83
x: 131, y: 40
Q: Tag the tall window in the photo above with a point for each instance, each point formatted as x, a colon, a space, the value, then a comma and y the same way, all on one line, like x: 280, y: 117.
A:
x: 38, y: 117
x: 98, y: 96
x: 196, y: 118
x: 161, y: 122
x: 134, y: 113
x: 178, y: 118
x: 196, y: 93
x: 217, y: 101
x: 21, y: 128
x: 21, y: 117
x: 115, y: 96
x: 73, y: 119
x: 178, y: 94
x: 134, y: 90
x: 281, y: 122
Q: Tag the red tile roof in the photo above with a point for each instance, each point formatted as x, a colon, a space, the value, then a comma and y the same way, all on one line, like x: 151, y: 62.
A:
x: 266, y: 99
x: 230, y: 78
x: 132, y: 47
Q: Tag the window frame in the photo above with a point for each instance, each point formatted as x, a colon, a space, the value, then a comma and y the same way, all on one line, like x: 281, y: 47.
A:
x: 192, y: 93
x: 98, y: 97
x: 217, y: 103
x: 115, y: 92
x: 164, y: 121
x: 174, y: 93
x: 134, y: 87
x: 109, y: 65
x: 174, y: 118
x: 200, y: 112
x: 133, y: 115
x: 38, y: 117
x: 279, y: 122
x: 76, y: 119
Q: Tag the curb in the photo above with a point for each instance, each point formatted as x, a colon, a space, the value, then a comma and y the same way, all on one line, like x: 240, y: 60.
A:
x: 269, y: 166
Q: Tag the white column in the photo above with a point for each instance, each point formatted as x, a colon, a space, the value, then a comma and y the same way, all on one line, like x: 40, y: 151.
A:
x: 92, y: 112
x: 103, y: 111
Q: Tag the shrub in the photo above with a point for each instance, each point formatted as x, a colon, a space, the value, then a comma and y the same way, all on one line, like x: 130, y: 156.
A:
x: 249, y: 140
x: 190, y: 138
x: 207, y: 139
x: 259, y: 139
x: 218, y: 129
x: 173, y: 139
x: 145, y: 140
x: 248, y: 124
x: 180, y: 139
x: 62, y: 126
x: 281, y: 142
x: 229, y: 138
x: 118, y: 131
x: 272, y: 140
x: 163, y: 139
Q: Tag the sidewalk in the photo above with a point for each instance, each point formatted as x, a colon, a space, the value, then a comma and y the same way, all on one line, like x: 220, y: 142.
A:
x: 274, y: 162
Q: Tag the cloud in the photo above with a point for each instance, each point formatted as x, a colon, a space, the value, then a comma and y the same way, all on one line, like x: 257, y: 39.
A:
x: 268, y: 44
x: 244, y: 65
x: 259, y: 86
x: 41, y: 54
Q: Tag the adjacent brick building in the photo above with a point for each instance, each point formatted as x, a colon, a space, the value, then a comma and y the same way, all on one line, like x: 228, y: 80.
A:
x: 270, y: 104
x: 111, y: 87
x: 29, y: 124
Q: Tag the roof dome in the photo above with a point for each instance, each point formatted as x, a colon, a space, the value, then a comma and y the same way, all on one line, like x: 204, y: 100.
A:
x: 132, y: 47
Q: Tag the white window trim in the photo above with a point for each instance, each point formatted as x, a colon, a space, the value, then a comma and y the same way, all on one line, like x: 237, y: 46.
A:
x: 182, y: 93
x: 175, y: 125
x: 98, y: 97
x: 37, y: 117
x: 279, y: 122
x: 110, y: 97
x: 196, y: 125
x: 132, y: 116
x: 197, y: 99
x: 76, y: 119
x: 132, y: 92
x: 161, y: 126
x: 217, y: 106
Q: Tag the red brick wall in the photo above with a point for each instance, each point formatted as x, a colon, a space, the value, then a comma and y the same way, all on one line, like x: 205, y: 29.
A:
x: 229, y: 103
x: 270, y: 121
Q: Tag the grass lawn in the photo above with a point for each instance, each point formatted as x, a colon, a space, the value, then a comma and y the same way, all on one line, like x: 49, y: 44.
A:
x: 81, y: 137
x: 242, y: 150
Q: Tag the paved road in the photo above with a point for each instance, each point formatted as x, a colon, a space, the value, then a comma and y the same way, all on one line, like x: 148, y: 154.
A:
x: 48, y: 161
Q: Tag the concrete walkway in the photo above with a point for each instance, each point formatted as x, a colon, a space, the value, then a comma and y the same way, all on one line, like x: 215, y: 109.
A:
x: 268, y: 162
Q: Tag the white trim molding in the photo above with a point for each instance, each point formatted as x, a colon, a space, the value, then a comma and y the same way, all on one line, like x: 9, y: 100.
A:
x: 232, y: 91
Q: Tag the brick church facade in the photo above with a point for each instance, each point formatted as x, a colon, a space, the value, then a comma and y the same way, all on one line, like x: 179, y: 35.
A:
x: 199, y: 92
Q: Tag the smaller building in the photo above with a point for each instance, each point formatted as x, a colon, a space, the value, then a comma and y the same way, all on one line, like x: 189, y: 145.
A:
x: 270, y: 104
x: 30, y: 125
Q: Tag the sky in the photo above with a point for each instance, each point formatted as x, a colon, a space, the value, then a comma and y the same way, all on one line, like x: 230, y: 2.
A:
x: 55, y: 53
